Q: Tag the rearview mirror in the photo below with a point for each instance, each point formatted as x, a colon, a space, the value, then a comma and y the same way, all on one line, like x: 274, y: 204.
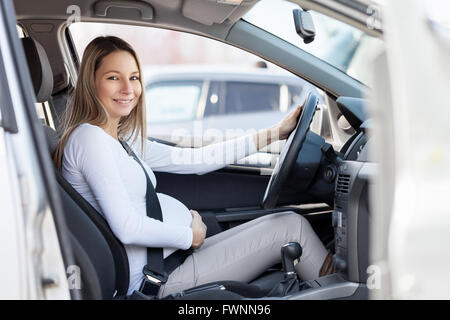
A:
x: 304, y: 25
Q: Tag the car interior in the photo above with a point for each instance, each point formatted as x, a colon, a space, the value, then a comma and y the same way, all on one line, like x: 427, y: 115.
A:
x: 329, y: 187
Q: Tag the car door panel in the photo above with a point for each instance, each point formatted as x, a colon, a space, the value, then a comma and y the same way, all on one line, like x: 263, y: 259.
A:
x: 226, y: 188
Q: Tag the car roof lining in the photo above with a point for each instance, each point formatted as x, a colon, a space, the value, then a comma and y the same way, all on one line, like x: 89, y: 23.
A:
x: 145, y: 11
x: 169, y: 14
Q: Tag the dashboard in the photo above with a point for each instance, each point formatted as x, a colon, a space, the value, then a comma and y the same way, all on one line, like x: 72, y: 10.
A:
x: 351, y: 214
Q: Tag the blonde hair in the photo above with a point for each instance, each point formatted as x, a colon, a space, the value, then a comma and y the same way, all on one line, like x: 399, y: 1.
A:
x: 86, y: 107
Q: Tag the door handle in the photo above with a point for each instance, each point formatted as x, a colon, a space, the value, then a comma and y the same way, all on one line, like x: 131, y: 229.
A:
x: 101, y: 7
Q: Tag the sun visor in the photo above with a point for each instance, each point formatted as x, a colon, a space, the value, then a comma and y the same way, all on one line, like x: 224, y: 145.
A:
x: 216, y: 11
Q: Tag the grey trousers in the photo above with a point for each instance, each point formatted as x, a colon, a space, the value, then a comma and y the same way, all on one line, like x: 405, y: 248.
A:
x: 244, y: 252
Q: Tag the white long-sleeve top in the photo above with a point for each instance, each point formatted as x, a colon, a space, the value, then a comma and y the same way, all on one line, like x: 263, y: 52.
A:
x: 99, y: 168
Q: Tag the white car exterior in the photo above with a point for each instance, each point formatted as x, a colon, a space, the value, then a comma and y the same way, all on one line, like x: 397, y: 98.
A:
x: 411, y: 226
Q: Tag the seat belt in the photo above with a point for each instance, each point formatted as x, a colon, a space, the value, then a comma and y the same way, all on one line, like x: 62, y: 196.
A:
x: 157, y: 270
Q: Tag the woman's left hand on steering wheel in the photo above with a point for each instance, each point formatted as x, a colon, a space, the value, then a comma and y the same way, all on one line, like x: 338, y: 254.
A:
x: 280, y: 131
x: 288, y: 123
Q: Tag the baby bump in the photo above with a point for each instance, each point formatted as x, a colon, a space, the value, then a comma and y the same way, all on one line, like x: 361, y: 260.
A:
x: 174, y: 211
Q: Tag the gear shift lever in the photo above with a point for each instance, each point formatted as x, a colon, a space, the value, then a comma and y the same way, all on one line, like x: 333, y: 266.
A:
x: 289, y: 253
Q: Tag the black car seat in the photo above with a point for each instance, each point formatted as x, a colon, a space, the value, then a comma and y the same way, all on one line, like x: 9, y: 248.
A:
x: 99, y: 254
x: 104, y: 270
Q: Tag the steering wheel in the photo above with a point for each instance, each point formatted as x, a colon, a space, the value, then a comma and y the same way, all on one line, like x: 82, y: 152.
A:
x: 289, y: 154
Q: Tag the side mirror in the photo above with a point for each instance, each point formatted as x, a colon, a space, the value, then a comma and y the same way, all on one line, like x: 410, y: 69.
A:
x: 304, y: 25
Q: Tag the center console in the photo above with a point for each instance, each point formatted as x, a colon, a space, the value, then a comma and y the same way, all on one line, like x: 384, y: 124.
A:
x: 350, y: 220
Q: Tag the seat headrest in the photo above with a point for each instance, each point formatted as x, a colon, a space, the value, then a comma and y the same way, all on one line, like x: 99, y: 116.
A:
x: 40, y: 69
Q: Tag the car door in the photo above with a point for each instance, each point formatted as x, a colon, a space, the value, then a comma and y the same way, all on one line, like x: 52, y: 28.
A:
x: 33, y: 253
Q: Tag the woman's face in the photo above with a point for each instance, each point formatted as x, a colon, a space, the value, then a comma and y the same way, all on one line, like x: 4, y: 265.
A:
x: 117, y: 83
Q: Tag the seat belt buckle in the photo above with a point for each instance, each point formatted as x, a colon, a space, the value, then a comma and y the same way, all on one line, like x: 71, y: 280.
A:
x: 152, y: 282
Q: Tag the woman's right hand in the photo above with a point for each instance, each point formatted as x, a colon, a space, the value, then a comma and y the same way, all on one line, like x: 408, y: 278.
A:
x: 198, y: 230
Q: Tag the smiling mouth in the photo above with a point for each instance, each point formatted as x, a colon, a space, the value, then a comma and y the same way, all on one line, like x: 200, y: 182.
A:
x: 123, y: 101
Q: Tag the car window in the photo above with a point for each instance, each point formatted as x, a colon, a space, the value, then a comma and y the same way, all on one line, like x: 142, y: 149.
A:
x: 339, y: 44
x: 243, y: 97
x: 20, y: 31
x: 172, y: 101
x: 214, y: 102
x: 295, y: 95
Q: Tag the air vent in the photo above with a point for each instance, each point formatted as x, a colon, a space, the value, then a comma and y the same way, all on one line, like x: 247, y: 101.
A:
x: 343, y: 183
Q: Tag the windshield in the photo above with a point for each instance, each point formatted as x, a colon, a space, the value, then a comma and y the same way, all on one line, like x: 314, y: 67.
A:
x: 339, y: 44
